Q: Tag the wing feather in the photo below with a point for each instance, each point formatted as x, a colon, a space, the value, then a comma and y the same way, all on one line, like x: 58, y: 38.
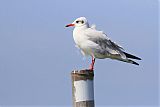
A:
x: 104, y: 42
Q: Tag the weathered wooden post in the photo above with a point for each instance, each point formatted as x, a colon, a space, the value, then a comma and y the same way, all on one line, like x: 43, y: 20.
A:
x: 83, y: 88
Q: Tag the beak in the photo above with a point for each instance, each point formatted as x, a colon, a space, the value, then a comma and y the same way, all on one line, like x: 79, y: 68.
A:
x: 69, y: 25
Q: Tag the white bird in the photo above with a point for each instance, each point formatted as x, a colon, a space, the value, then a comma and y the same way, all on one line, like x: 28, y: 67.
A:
x: 96, y: 43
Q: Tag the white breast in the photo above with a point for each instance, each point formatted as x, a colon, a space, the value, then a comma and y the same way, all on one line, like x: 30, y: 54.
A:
x: 83, y: 42
x: 79, y: 37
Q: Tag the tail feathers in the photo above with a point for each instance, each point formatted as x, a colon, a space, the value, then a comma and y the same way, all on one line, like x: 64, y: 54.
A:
x: 131, y: 56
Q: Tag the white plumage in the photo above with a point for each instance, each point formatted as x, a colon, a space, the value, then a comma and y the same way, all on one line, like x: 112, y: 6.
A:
x: 96, y: 43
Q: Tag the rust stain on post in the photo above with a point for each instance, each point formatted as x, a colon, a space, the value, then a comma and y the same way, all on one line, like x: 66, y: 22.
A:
x: 82, y: 88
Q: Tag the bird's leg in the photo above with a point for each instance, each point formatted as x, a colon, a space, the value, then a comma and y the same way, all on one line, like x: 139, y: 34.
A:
x: 92, y: 64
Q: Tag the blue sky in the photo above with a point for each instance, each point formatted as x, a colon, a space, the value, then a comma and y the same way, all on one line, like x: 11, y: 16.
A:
x: 37, y: 52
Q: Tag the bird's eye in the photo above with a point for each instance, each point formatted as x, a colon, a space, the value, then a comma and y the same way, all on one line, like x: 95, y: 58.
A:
x: 77, y: 21
x: 82, y: 21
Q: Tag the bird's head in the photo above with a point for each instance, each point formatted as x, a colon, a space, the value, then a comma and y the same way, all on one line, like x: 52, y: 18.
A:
x: 79, y: 22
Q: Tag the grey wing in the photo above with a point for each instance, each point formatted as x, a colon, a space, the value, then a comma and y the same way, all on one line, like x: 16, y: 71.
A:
x: 109, y: 47
x: 106, y: 44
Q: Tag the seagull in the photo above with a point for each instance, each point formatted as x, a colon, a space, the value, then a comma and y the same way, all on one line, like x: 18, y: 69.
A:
x: 97, y: 44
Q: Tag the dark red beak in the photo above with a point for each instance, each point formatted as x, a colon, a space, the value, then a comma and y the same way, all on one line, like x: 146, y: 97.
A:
x: 69, y: 25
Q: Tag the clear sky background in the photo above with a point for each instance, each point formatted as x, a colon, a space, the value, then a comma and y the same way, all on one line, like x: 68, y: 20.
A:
x: 37, y: 53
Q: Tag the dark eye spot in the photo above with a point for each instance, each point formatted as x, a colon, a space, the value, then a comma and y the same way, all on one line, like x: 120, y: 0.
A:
x: 77, y: 21
x: 82, y: 21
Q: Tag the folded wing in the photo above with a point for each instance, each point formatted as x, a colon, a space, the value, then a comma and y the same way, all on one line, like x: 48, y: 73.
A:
x: 105, y: 44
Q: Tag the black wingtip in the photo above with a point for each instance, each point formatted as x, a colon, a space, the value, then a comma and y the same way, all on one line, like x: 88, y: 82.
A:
x: 138, y: 58
x: 131, y: 56
x: 132, y: 62
x: 135, y: 63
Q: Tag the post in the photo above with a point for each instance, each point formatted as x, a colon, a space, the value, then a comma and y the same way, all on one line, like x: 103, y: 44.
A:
x: 82, y: 88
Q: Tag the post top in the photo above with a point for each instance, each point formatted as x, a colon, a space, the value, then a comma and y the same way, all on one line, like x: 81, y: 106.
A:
x: 82, y: 74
